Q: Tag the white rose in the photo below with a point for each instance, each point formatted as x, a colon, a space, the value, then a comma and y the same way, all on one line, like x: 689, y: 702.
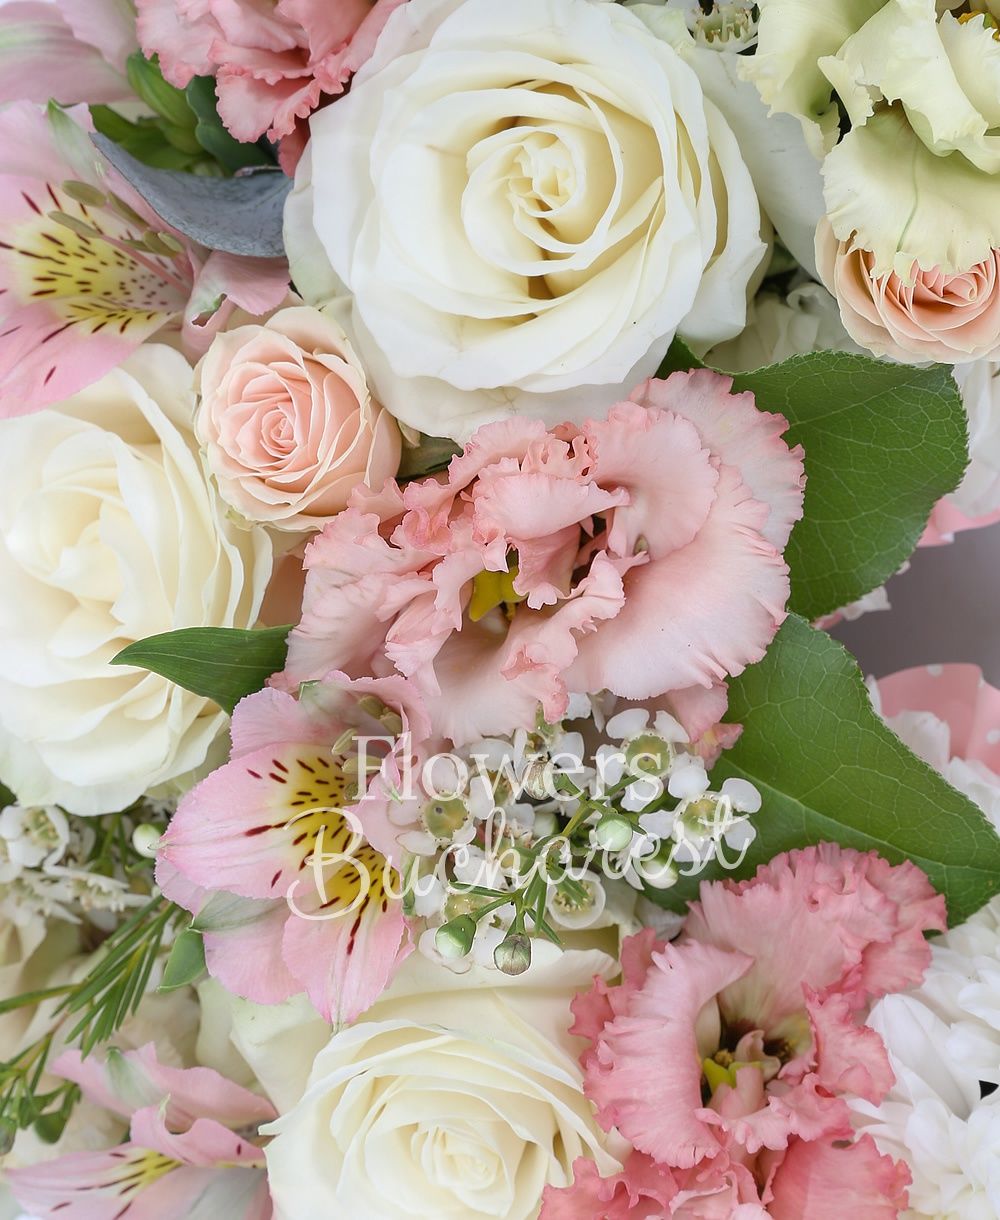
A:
x: 453, y: 1096
x: 109, y: 533
x: 526, y: 201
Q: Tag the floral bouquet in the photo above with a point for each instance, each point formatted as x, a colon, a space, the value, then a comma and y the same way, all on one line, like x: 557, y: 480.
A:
x: 435, y: 436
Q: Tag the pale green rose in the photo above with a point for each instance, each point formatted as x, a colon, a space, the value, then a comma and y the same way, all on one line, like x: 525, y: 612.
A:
x: 793, y: 36
x: 944, y: 71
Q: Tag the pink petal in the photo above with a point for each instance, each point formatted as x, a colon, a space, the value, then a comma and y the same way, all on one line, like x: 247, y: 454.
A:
x: 127, y: 1081
x: 702, y: 613
x: 664, y: 465
x: 182, y: 44
x: 246, y: 957
x: 644, y: 1073
x: 346, y: 959
x: 850, y: 1057
x: 626, y: 1196
x: 826, y: 1181
x: 42, y: 58
x: 956, y: 694
x: 256, y: 285
x: 743, y: 436
x: 251, y: 825
x: 109, y: 27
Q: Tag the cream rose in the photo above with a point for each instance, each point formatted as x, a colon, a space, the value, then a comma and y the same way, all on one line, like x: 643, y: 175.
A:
x: 453, y: 1096
x: 109, y: 532
x: 525, y: 201
x: 287, y: 422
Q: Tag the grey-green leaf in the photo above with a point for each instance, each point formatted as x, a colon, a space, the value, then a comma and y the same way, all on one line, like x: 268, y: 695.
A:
x: 241, y: 215
x: 186, y: 963
x: 828, y: 769
x: 221, y: 663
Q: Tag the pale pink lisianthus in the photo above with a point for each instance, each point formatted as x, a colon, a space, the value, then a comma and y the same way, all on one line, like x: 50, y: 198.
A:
x: 729, y: 1047
x: 273, y: 63
x: 931, y: 316
x: 192, y: 1142
x: 288, y: 423
x: 641, y: 554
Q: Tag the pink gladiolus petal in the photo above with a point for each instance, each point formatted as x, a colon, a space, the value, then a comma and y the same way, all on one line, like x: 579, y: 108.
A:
x: 825, y: 1181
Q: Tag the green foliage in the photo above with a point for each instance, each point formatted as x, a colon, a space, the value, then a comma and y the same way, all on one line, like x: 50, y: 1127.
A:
x: 883, y: 442
x: 433, y: 453
x: 186, y: 963
x: 221, y: 663
x: 183, y: 133
x: 828, y: 769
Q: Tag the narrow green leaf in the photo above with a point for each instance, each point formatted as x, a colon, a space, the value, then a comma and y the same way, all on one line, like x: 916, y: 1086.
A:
x: 186, y: 963
x: 221, y: 663
x: 883, y: 443
x: 828, y: 769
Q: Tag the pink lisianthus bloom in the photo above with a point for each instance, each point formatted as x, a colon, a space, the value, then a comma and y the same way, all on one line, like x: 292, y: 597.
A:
x: 190, y: 1150
x: 733, y: 1048
x: 88, y: 271
x: 291, y: 875
x: 641, y: 554
x: 273, y: 63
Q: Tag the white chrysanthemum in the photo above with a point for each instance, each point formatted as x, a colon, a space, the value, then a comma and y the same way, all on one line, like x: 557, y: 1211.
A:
x: 943, y: 1039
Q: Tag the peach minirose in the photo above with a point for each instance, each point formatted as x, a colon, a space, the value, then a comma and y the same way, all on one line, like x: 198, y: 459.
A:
x: 287, y: 422
x: 951, y: 318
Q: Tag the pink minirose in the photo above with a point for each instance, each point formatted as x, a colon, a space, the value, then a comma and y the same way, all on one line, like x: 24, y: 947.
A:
x: 273, y: 62
x: 640, y: 554
x: 287, y: 422
x: 932, y: 316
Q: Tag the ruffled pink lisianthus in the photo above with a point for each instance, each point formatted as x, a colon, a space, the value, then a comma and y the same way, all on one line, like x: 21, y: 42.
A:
x: 641, y: 554
x: 273, y: 63
x: 732, y: 1051
x: 290, y: 874
x: 192, y: 1144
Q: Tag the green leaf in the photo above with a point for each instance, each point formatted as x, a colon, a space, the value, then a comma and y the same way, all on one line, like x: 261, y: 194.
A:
x: 828, y: 769
x: 164, y: 99
x: 883, y: 443
x: 433, y: 453
x: 221, y: 663
x: 212, y: 135
x: 6, y: 796
x: 186, y: 963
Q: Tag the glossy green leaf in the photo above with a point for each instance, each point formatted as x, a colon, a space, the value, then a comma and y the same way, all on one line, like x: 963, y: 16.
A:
x: 883, y: 443
x: 221, y: 663
x: 828, y: 769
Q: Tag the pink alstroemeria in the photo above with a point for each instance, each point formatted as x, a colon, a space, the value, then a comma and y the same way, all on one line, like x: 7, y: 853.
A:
x: 190, y: 1153
x: 71, y: 51
x: 731, y: 1047
x: 88, y: 271
x: 290, y: 875
x: 640, y: 554
x: 273, y: 63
